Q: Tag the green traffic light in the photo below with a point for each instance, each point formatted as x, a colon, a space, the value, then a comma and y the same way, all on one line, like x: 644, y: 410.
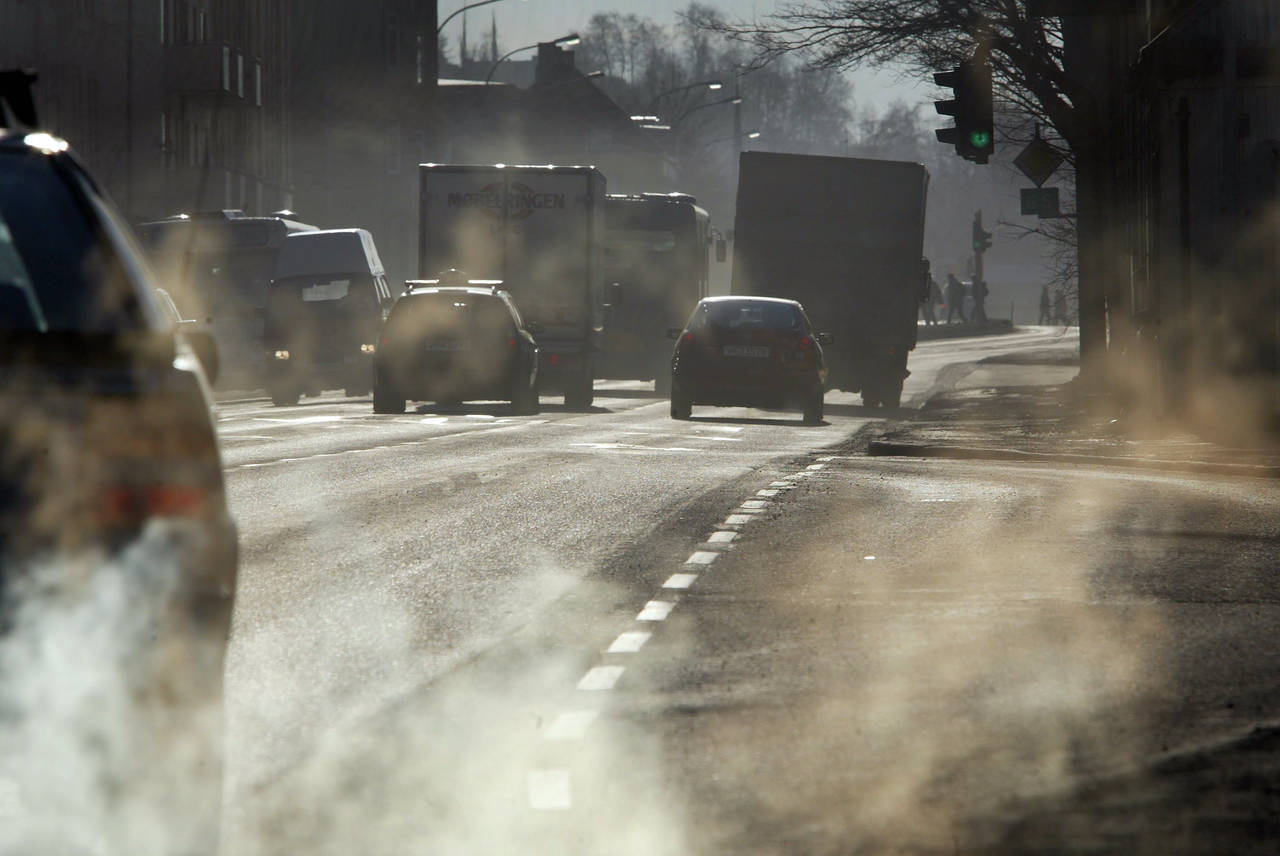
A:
x: 980, y: 140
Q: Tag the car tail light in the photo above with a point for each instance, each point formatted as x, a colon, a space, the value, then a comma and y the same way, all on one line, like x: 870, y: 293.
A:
x: 806, y: 343
x: 686, y: 339
x: 511, y: 343
x: 153, y: 459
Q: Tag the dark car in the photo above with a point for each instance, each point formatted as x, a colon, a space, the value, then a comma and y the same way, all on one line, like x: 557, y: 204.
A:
x: 117, y: 553
x: 455, y: 343
x: 748, y: 352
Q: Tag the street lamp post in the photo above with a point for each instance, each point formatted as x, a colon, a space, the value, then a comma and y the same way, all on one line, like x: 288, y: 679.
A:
x: 564, y: 41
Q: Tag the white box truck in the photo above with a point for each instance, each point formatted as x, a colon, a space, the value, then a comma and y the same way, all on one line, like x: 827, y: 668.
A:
x: 539, y: 229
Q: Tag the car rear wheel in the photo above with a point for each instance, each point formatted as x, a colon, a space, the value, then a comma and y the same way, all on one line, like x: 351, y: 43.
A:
x: 386, y: 400
x: 581, y: 391
x: 524, y: 401
x: 681, y: 405
x: 813, y: 408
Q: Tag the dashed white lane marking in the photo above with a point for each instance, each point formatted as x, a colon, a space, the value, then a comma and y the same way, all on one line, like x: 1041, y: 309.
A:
x: 434, y: 420
x: 571, y: 725
x: 869, y: 558
x: 655, y: 610
x: 629, y: 643
x: 767, y: 492
x: 722, y: 439
x: 629, y: 447
x: 721, y: 537
x: 816, y: 467
x: 549, y: 790
x: 679, y: 581
x: 754, y: 504
x: 738, y: 519
x: 601, y: 678
x: 702, y: 557
x: 781, y: 484
x: 827, y: 458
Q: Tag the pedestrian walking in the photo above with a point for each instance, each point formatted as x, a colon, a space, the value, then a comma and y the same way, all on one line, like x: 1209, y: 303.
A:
x: 955, y: 298
x: 1045, y: 315
x: 931, y: 301
x: 979, y: 315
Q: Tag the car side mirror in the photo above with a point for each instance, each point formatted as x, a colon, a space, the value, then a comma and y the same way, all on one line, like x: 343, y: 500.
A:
x: 206, y: 350
x: 722, y: 250
x: 674, y: 333
x: 823, y: 338
x: 533, y: 327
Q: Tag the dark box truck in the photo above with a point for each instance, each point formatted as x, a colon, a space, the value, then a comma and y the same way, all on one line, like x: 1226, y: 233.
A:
x: 539, y: 229
x: 845, y: 237
x: 656, y: 269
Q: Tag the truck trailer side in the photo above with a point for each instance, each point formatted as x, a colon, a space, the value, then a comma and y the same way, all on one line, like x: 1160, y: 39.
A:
x: 539, y: 229
x: 845, y: 237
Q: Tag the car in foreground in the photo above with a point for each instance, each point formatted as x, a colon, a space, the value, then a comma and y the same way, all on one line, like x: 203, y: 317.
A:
x: 748, y: 352
x: 118, y: 555
x: 463, y: 340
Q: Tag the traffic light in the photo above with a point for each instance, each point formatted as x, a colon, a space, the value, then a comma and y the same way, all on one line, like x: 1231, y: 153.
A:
x: 981, y: 237
x: 974, y: 133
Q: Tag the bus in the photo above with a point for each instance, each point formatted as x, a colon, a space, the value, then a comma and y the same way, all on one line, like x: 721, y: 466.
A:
x: 218, y: 268
x: 657, y: 267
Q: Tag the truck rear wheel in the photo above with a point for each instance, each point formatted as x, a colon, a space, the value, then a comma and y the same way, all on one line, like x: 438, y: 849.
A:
x: 387, y: 400
x: 893, y: 395
x: 524, y: 400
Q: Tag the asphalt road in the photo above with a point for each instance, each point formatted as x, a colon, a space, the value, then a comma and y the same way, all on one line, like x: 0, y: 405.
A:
x: 420, y: 659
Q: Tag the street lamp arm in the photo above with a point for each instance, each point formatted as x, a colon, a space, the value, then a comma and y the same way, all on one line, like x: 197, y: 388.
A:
x: 734, y: 100
x: 440, y: 29
x: 508, y: 55
x: 710, y: 84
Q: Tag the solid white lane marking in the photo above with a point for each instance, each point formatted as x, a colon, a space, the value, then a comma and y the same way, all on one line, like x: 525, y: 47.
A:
x: 434, y: 420
x: 655, y: 610
x: 601, y: 678
x: 754, y: 504
x: 721, y: 537
x: 549, y: 790
x: 767, y: 492
x: 630, y: 447
x: 730, y: 429
x: 571, y: 725
x: 702, y: 557
x: 827, y: 458
x: 629, y: 643
x: 300, y: 420
x: 738, y: 519
x: 484, y: 416
x: 679, y: 581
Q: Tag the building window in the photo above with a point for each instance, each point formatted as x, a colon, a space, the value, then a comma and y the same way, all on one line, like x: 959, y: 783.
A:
x: 240, y: 74
x: 226, y: 68
x: 257, y: 84
x: 164, y: 22
x: 202, y: 27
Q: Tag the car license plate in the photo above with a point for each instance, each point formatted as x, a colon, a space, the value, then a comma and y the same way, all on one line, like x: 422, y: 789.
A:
x: 745, y: 351
x: 448, y: 346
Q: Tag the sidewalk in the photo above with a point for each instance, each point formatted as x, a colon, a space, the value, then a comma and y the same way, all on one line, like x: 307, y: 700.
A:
x: 1022, y: 407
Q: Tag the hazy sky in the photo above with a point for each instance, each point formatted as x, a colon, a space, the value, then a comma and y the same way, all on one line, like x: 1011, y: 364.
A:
x: 522, y: 22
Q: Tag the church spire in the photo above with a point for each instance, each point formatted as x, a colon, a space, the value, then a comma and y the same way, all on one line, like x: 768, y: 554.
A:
x: 493, y: 38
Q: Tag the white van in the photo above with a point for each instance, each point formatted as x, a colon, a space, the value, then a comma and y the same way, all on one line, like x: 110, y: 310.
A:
x: 327, y: 303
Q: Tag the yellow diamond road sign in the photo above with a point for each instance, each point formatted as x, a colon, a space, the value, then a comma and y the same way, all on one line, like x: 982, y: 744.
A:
x: 1038, y: 161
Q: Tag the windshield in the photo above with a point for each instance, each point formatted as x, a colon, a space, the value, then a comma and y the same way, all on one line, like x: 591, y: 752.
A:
x: 450, y: 315
x: 57, y: 274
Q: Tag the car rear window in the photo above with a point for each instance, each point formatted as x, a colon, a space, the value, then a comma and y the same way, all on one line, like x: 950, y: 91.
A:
x: 57, y: 273
x: 758, y: 315
x: 445, y: 314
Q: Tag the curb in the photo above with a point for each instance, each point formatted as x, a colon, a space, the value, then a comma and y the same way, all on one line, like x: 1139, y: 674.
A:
x: 884, y: 449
